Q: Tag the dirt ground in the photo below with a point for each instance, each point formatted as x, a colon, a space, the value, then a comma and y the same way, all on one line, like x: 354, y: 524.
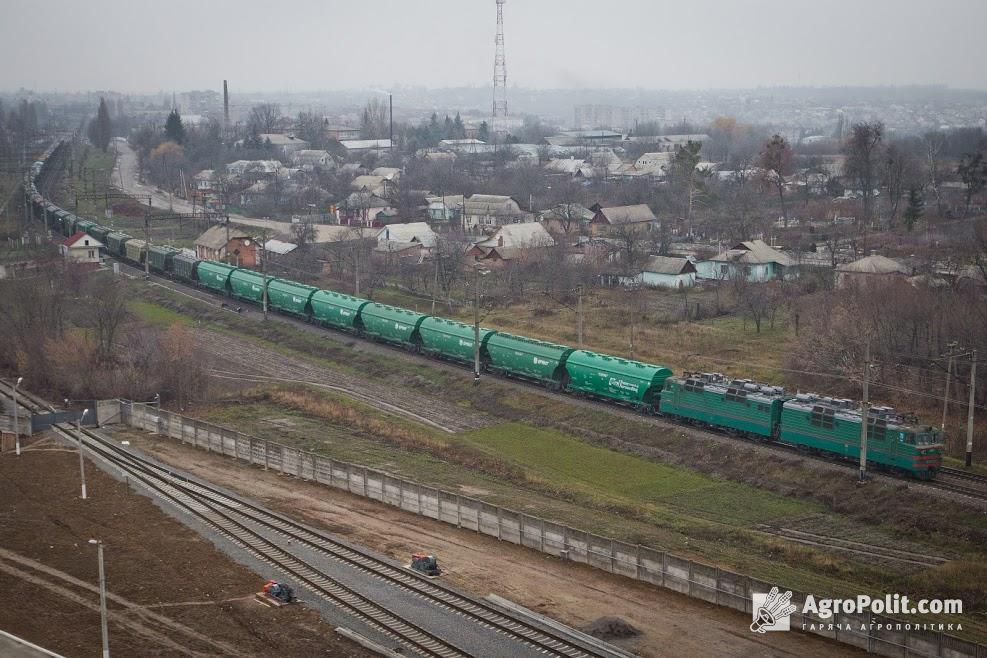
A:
x: 170, y: 592
x: 672, y: 624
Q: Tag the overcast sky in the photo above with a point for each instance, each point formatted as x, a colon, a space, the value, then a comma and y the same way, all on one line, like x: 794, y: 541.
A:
x: 299, y: 45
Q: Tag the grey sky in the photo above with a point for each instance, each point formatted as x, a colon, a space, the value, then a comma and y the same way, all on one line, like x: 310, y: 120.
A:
x: 272, y: 45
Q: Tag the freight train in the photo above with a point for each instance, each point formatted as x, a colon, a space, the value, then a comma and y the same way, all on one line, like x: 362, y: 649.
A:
x: 805, y: 421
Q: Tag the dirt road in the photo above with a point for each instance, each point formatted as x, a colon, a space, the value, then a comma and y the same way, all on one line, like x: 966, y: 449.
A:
x: 672, y: 624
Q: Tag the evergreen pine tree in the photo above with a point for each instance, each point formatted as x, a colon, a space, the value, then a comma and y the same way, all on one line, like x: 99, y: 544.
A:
x: 174, y: 129
x: 100, y: 130
x: 915, y: 209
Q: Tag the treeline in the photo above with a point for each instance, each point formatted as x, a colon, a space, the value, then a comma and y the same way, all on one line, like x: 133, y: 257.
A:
x: 71, y: 334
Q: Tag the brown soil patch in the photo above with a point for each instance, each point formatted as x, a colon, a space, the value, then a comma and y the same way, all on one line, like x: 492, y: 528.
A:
x: 170, y: 591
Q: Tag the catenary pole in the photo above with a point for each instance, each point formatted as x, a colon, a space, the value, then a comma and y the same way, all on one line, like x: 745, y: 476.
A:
x: 969, y: 413
x: 864, y: 409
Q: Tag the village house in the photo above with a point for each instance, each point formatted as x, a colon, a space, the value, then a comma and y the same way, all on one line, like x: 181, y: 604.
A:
x: 665, y: 272
x: 373, y: 184
x: 361, y: 146
x: 362, y: 209
x: 340, y: 133
x: 286, y: 145
x: 256, y: 169
x: 446, y: 209
x: 871, y: 268
x: 754, y: 260
x: 387, y: 173
x: 482, y: 211
x: 566, y: 218
x: 668, y: 143
x: 82, y: 248
x: 227, y: 244
x: 205, y: 181
x: 412, y: 241
x: 511, y: 241
x: 314, y: 158
x: 637, y: 218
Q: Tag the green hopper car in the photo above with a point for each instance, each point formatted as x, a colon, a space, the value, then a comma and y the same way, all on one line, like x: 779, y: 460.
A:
x: 392, y: 324
x: 450, y: 339
x: 214, y: 275
x: 336, y: 310
x: 86, y: 226
x: 184, y: 267
x: 527, y: 358
x: 290, y: 297
x: 247, y: 285
x: 99, y: 232
x: 832, y: 425
x: 161, y: 257
x: 115, y: 243
x: 612, y: 378
x: 711, y: 399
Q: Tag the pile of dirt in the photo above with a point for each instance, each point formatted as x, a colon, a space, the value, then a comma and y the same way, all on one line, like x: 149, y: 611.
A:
x: 611, y: 628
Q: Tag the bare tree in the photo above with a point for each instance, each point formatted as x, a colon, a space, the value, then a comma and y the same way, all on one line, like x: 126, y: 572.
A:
x: 109, y: 310
x: 862, y: 150
x: 776, y: 160
x: 373, y: 123
x: 303, y: 233
x: 264, y: 118
x: 934, y: 143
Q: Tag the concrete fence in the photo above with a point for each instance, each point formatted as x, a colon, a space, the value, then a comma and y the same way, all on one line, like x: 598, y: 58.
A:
x: 872, y: 633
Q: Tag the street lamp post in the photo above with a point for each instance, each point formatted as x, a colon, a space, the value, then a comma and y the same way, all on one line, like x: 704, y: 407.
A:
x: 17, y: 423
x: 82, y: 461
x: 102, y: 598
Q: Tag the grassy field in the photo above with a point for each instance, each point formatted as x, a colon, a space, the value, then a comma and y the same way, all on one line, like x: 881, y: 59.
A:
x: 565, y: 462
x: 723, y: 344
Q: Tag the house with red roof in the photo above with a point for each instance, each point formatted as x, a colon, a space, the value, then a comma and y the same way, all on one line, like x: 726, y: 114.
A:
x: 82, y: 248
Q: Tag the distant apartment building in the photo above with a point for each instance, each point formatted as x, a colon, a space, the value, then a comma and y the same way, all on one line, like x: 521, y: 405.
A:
x: 616, y: 117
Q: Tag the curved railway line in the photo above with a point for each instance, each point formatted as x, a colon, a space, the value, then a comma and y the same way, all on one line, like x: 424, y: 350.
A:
x: 233, y: 517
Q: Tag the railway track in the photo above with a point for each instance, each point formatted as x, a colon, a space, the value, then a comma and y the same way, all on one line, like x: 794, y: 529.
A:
x: 408, y: 634
x: 233, y: 517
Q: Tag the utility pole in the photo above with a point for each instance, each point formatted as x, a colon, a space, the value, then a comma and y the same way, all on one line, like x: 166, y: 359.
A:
x: 102, y: 598
x: 17, y: 424
x: 969, y: 413
x: 435, y: 276
x: 82, y: 461
x: 147, y: 240
x: 263, y: 270
x: 579, y: 317
x: 476, y: 324
x: 632, y: 341
x: 864, y: 408
x: 356, y: 261
x: 949, y: 378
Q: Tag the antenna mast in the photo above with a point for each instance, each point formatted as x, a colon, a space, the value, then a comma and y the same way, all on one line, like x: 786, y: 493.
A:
x: 500, y: 68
